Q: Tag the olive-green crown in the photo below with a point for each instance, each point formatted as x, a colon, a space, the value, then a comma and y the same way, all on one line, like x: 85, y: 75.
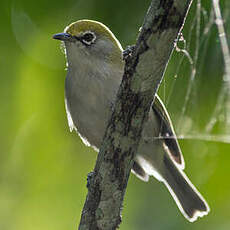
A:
x: 81, y: 26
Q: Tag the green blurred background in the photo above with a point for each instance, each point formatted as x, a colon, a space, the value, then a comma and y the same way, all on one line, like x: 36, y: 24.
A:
x: 43, y: 167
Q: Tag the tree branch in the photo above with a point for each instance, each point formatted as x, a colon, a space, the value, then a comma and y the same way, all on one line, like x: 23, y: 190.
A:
x: 144, y: 69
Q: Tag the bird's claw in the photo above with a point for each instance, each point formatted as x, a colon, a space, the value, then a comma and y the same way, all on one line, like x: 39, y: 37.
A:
x: 128, y: 52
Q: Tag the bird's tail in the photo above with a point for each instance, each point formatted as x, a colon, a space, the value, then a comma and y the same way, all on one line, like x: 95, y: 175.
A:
x: 188, y: 199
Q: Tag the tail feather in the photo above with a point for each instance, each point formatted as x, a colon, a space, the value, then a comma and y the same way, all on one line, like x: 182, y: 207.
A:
x: 189, y: 200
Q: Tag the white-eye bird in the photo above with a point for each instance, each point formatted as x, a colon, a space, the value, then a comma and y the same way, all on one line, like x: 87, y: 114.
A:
x: 95, y: 69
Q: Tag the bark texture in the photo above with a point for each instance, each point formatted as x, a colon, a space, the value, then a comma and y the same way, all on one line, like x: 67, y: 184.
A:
x: 144, y: 70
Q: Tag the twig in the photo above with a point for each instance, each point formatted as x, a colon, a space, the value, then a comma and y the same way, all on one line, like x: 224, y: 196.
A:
x: 144, y: 69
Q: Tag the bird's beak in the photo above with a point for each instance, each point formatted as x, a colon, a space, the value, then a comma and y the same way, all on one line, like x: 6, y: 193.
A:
x: 64, y: 37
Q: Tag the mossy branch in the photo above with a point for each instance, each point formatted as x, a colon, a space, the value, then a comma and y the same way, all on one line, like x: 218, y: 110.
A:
x: 144, y: 70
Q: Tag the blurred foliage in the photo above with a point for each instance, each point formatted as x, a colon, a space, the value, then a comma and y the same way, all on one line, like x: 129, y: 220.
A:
x: 43, y: 166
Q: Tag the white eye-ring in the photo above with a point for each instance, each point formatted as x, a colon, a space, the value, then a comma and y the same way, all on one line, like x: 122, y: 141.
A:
x: 88, y: 37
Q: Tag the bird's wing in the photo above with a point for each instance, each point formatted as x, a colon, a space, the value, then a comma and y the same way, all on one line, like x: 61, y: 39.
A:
x: 167, y: 132
x: 139, y: 172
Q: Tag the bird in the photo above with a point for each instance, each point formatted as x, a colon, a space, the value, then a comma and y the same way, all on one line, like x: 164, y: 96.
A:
x: 95, y: 68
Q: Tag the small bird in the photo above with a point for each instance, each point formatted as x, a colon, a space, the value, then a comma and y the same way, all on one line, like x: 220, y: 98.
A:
x: 95, y: 69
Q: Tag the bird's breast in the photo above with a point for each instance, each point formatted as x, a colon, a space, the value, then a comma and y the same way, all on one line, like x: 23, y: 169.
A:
x: 89, y: 100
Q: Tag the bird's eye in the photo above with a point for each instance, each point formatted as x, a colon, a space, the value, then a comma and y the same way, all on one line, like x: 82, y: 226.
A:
x: 88, y: 38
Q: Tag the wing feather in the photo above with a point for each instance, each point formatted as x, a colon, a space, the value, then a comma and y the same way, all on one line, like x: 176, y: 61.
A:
x: 167, y: 132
